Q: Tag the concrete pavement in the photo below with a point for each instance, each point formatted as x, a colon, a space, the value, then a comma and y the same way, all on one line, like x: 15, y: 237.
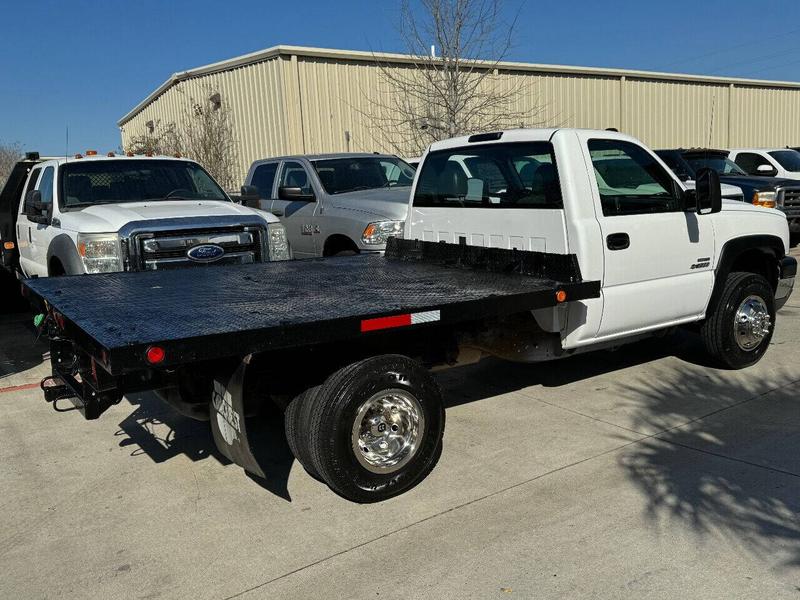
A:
x: 633, y: 474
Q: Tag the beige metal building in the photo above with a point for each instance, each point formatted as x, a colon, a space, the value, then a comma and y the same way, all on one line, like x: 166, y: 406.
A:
x: 287, y: 100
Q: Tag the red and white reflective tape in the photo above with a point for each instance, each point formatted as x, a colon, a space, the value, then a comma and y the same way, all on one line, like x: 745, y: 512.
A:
x: 429, y: 316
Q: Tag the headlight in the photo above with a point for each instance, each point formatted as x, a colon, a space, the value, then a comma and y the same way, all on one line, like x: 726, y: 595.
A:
x: 377, y: 233
x: 278, y: 244
x: 765, y: 199
x: 100, y: 252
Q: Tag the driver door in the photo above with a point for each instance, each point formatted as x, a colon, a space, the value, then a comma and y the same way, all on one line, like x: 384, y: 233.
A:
x: 25, y: 229
x: 657, y: 257
x: 298, y: 215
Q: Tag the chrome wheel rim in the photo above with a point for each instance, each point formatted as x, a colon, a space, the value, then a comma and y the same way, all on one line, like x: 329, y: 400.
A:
x: 387, y: 431
x: 752, y: 323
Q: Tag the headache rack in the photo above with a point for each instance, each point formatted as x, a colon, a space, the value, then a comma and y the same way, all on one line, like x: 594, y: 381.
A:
x: 108, y: 328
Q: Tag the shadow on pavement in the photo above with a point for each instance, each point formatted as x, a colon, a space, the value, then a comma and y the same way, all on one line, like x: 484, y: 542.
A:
x: 154, y: 429
x: 494, y: 376
x: 19, y: 348
x: 734, y: 473
x: 11, y: 300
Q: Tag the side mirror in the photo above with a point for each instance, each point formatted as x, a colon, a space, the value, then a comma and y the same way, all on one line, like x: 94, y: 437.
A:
x: 33, y: 203
x: 294, y: 193
x: 767, y: 170
x: 250, y: 196
x: 35, y: 210
x: 708, y: 191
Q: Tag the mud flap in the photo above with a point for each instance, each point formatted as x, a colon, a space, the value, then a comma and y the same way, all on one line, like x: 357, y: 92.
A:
x: 228, y: 420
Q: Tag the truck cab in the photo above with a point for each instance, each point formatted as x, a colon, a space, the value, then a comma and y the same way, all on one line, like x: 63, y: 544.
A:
x: 130, y: 213
x: 768, y: 162
x: 333, y: 204
x: 609, y: 200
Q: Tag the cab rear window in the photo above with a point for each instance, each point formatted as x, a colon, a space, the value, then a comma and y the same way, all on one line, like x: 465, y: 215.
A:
x: 520, y: 175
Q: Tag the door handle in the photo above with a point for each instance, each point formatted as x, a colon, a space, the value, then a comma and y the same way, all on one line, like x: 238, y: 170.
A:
x: 618, y: 241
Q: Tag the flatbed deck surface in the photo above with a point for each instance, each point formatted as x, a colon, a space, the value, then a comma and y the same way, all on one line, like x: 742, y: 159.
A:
x: 121, y: 310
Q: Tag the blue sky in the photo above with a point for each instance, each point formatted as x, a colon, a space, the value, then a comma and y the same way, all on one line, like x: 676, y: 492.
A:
x: 84, y: 64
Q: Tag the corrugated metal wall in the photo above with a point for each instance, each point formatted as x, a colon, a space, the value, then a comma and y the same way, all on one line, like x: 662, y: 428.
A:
x: 298, y: 103
x: 669, y: 113
x: 263, y: 124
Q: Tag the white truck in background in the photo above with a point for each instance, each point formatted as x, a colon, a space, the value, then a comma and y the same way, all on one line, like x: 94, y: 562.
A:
x: 768, y: 162
x: 100, y: 214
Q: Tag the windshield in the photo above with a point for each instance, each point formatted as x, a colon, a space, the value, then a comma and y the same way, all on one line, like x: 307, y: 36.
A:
x: 85, y: 183
x: 788, y: 159
x: 340, y: 175
x: 518, y: 175
x: 721, y: 164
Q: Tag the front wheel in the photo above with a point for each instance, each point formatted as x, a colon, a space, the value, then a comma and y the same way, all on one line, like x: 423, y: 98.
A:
x: 737, y: 331
x: 376, y: 428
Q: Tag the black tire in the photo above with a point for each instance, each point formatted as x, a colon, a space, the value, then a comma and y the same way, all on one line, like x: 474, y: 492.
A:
x: 336, y: 409
x: 296, y: 424
x: 718, y: 330
x: 346, y: 253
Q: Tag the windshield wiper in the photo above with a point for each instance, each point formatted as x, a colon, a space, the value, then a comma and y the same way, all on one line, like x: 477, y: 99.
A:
x: 358, y: 188
x: 98, y: 202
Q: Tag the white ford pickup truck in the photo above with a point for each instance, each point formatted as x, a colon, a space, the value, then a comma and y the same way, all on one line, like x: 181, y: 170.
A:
x: 559, y: 241
x: 100, y: 214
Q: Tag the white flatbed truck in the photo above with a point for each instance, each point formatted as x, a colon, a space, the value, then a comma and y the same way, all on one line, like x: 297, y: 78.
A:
x: 561, y: 241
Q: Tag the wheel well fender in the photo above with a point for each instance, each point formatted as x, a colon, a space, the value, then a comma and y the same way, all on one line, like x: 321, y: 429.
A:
x: 63, y: 249
x: 338, y: 242
x: 759, y: 254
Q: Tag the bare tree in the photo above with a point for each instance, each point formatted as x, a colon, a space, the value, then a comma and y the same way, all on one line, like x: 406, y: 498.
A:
x: 159, y: 139
x: 206, y: 135
x: 203, y: 132
x: 9, y: 155
x: 453, y: 85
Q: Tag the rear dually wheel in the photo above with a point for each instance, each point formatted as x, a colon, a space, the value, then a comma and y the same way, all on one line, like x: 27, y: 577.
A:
x: 376, y: 428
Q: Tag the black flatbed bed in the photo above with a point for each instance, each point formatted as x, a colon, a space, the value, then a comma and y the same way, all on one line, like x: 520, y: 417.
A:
x: 209, y: 313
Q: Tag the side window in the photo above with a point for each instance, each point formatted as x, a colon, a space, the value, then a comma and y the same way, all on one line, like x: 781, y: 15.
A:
x: 294, y: 175
x: 397, y: 174
x: 750, y: 161
x: 46, y: 185
x: 263, y: 178
x: 31, y: 186
x: 510, y: 175
x: 630, y: 180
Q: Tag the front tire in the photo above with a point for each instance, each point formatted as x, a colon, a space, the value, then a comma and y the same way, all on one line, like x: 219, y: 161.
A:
x: 737, y: 331
x: 376, y: 428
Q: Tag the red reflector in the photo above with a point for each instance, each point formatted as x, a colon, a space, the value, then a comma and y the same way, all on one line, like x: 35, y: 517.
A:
x: 385, y: 322
x: 155, y: 355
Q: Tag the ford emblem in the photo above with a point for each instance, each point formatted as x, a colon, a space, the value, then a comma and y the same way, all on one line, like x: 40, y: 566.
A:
x: 206, y: 253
